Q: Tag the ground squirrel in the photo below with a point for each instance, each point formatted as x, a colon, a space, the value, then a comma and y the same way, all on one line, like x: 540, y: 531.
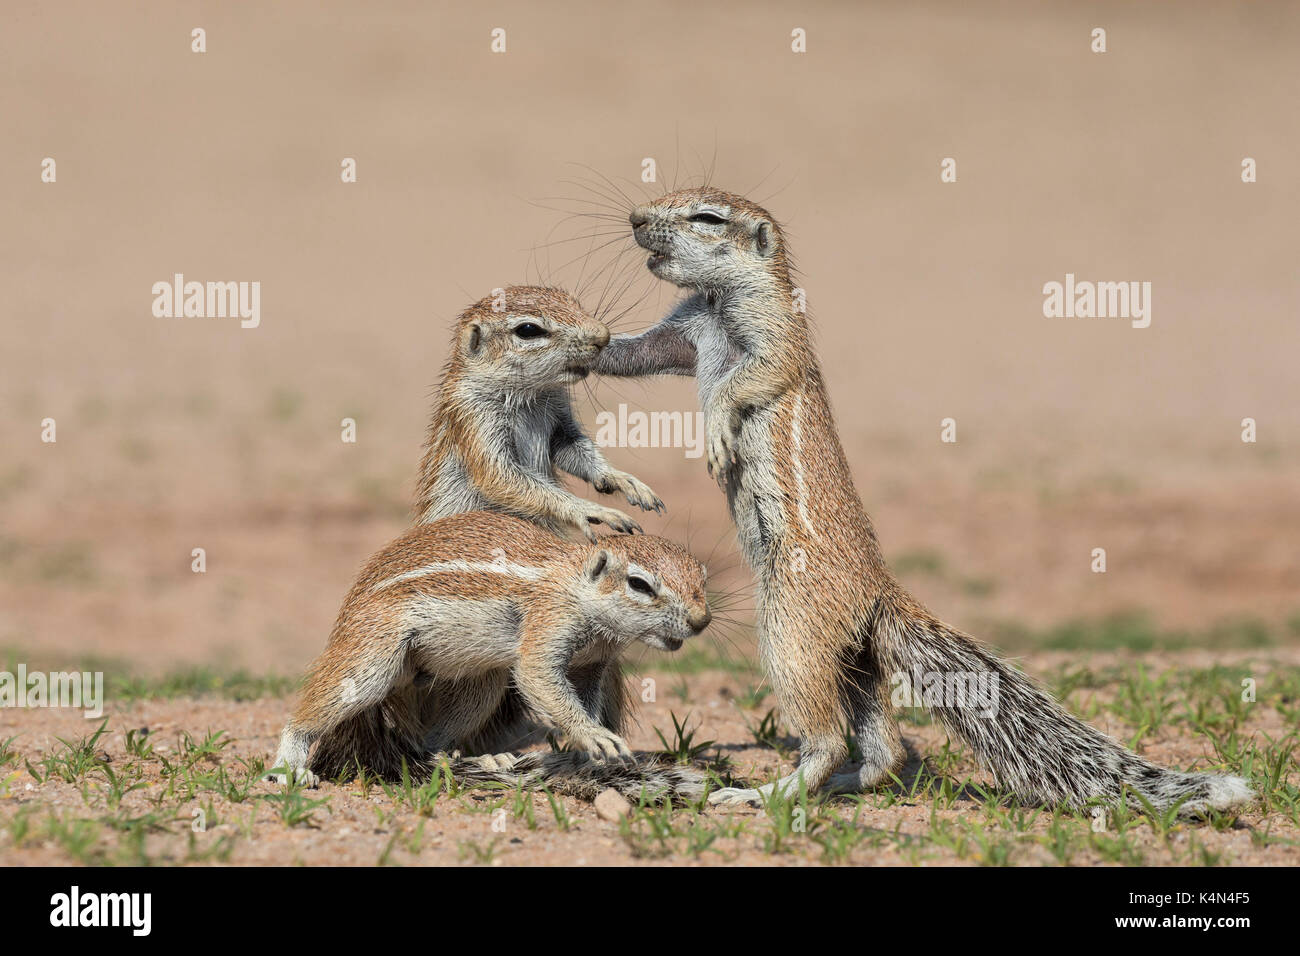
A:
x: 503, y: 423
x: 442, y: 621
x: 835, y: 627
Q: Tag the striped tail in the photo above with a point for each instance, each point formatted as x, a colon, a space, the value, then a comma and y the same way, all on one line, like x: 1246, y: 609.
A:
x: 1026, y: 739
x: 577, y: 775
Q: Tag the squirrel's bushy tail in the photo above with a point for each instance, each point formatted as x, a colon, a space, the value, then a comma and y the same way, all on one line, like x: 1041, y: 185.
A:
x: 1025, y: 738
x: 577, y: 775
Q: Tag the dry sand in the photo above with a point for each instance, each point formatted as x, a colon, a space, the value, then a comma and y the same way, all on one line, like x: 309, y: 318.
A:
x: 360, y: 826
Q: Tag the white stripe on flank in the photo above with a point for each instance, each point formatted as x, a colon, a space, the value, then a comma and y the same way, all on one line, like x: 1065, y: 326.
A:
x: 796, y: 436
x: 505, y: 568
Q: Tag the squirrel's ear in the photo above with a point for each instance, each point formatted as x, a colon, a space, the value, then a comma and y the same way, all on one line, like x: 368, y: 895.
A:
x: 764, y: 238
x: 471, y: 340
x: 597, y: 564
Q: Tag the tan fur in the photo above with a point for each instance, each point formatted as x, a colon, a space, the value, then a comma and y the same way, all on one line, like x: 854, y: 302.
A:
x: 502, y: 428
x: 502, y: 425
x: 446, y: 619
x: 835, y: 627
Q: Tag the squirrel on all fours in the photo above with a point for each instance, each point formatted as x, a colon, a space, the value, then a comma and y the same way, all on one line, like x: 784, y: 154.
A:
x: 451, y: 615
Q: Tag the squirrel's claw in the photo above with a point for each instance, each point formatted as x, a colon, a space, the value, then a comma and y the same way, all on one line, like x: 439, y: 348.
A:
x: 602, y: 744
x: 636, y: 491
x: 735, y: 797
x: 293, y: 775
x: 612, y: 517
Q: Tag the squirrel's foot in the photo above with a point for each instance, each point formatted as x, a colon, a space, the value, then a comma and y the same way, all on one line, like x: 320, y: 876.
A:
x: 615, y: 519
x: 740, y: 796
x: 600, y: 743
x: 735, y: 797
x: 636, y: 491
x: 870, y: 775
x: 298, y: 774
x: 502, y: 762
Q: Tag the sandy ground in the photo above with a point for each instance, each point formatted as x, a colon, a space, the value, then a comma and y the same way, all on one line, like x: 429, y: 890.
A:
x: 357, y: 826
x: 177, y: 434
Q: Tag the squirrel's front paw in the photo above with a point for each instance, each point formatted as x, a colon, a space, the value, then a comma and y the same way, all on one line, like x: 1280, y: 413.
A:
x: 615, y: 519
x: 722, y: 439
x: 600, y: 743
x: 636, y: 491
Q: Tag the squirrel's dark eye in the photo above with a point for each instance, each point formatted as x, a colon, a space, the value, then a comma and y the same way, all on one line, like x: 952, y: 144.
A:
x: 529, y: 330
x: 708, y: 217
x: 642, y: 585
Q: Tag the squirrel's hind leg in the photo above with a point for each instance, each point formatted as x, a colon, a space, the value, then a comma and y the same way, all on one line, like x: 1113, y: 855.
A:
x: 819, y: 757
x: 875, y: 729
x: 295, y: 750
x: 810, y: 691
x: 343, y: 682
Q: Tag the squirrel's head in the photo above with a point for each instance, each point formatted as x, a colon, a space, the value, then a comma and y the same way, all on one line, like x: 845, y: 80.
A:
x: 528, y: 339
x: 644, y: 588
x: 709, y: 240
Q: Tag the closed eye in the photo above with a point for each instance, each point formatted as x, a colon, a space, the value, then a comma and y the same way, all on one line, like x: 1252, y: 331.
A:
x: 642, y: 585
x: 710, y: 218
x: 529, y: 330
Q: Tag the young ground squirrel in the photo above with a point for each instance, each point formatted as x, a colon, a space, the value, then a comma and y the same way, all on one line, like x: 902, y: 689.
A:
x: 449, y: 615
x: 503, y: 422
x: 835, y: 627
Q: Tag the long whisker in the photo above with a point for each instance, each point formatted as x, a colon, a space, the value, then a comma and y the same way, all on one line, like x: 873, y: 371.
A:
x: 603, y: 197
x: 611, y: 184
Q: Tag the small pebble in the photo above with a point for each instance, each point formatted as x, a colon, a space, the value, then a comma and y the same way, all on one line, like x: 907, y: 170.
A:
x: 612, y: 806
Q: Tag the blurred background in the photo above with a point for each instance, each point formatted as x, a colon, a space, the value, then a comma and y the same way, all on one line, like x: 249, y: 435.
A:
x: 1073, y: 434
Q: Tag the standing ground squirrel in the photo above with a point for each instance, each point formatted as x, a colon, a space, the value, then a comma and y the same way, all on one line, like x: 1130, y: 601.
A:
x: 835, y: 627
x: 442, y: 621
x: 503, y: 423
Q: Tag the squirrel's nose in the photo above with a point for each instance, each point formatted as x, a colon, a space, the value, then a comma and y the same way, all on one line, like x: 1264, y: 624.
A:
x: 699, y: 619
x: 638, y: 218
x: 600, y: 336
